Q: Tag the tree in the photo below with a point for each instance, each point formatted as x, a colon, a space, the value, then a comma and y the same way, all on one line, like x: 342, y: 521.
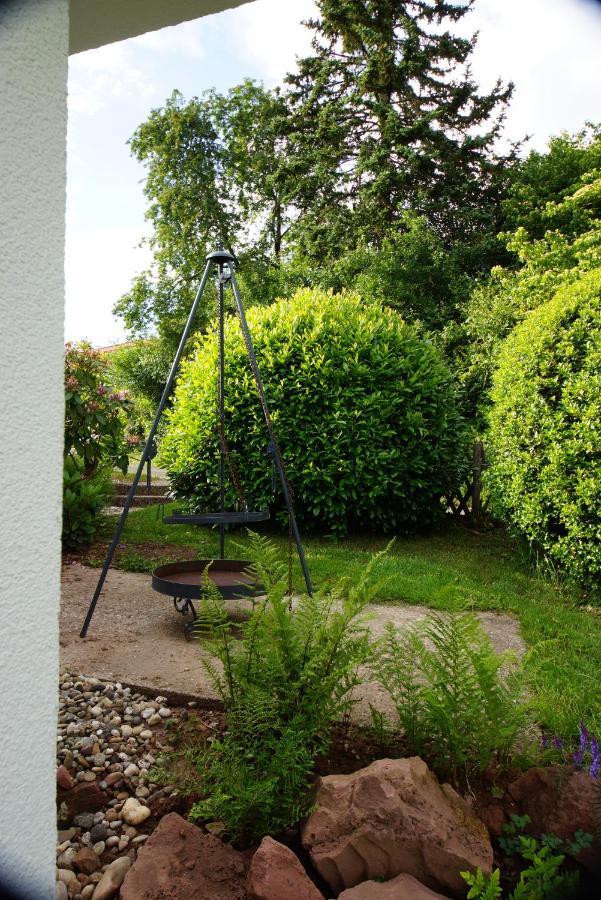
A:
x: 386, y: 117
x: 214, y: 179
x: 569, y: 224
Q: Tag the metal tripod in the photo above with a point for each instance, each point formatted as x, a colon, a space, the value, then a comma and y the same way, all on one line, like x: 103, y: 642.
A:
x: 225, y: 264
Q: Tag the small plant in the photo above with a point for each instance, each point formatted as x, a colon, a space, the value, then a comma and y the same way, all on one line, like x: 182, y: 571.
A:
x: 456, y: 706
x: 540, y: 880
x: 509, y: 842
x: 283, y: 684
x: 83, y: 501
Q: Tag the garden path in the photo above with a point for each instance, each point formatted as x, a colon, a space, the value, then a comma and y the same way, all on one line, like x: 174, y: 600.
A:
x: 136, y: 636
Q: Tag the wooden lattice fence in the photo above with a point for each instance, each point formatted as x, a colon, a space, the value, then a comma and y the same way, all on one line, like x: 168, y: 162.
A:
x: 468, y: 504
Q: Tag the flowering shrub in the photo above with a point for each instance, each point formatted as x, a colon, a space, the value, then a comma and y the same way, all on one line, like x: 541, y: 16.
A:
x: 94, y: 442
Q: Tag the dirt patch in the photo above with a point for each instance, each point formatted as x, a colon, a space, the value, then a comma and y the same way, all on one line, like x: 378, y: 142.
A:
x: 137, y: 637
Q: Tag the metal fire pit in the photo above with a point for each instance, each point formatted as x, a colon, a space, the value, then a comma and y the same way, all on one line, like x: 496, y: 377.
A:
x: 184, y: 582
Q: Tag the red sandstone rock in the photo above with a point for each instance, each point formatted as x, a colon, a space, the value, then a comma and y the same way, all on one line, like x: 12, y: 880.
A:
x: 179, y: 862
x: 276, y: 874
x: 403, y: 887
x: 84, y: 797
x: 64, y: 779
x: 560, y: 802
x: 390, y: 818
x: 86, y: 861
x: 494, y: 818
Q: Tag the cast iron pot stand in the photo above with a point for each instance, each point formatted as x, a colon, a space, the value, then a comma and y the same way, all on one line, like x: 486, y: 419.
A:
x: 183, y: 580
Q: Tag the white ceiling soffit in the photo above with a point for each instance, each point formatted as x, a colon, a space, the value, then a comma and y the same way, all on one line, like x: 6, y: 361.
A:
x: 94, y: 23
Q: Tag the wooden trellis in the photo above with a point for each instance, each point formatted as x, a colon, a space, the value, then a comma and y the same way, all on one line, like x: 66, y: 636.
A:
x: 468, y: 505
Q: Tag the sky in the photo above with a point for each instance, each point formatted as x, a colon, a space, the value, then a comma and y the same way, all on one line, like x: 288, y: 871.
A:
x: 550, y: 49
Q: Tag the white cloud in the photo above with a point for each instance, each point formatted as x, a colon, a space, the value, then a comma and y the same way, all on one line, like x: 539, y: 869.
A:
x: 268, y: 34
x: 551, y: 50
x: 100, y: 77
x: 185, y: 40
x: 99, y: 266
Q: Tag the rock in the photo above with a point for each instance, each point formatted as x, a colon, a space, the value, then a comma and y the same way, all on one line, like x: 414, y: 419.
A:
x: 68, y: 878
x: 98, y: 833
x: 61, y: 891
x: 133, y: 812
x: 178, y: 861
x: 64, y: 779
x: 559, y: 801
x: 65, y: 860
x: 155, y: 719
x: 276, y: 874
x: 403, y: 887
x: 86, y: 861
x: 112, y: 878
x: 85, y: 797
x: 164, y: 712
x: 131, y: 770
x: 87, y: 891
x: 494, y: 818
x: 84, y: 821
x: 146, y: 734
x: 390, y: 818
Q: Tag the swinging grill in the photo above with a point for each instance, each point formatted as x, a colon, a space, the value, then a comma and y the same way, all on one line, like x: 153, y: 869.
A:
x: 183, y: 581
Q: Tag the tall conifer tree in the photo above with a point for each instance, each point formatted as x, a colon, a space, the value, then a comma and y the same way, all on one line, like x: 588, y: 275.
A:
x: 386, y: 117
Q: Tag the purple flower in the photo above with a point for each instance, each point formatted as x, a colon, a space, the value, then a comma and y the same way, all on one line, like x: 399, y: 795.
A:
x: 558, y: 743
x: 596, y: 755
x: 577, y: 758
x: 584, y: 736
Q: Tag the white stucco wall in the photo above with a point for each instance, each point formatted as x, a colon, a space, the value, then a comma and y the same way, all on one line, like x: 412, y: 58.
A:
x: 33, y: 117
x: 34, y: 46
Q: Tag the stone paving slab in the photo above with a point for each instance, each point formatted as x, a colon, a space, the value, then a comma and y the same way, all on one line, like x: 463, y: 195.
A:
x: 137, y: 637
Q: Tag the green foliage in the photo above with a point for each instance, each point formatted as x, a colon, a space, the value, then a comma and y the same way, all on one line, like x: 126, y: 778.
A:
x: 94, y: 416
x: 509, y: 842
x: 283, y: 683
x: 384, y: 117
x: 142, y: 368
x: 457, y: 707
x: 363, y: 407
x: 570, y: 247
x: 83, y: 500
x: 545, y: 430
x: 540, y: 880
x: 214, y: 179
x: 541, y: 181
x: 95, y: 419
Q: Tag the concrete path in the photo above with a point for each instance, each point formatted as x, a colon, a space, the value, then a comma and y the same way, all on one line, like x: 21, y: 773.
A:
x: 137, y: 637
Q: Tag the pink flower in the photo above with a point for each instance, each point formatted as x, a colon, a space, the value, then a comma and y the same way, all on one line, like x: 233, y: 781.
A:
x: 71, y: 383
x: 133, y: 440
x: 102, y: 390
x: 93, y: 406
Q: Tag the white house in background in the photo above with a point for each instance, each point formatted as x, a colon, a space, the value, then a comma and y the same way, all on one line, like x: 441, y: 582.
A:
x: 36, y: 37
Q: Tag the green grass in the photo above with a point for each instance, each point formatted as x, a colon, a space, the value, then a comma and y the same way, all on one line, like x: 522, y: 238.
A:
x: 447, y: 570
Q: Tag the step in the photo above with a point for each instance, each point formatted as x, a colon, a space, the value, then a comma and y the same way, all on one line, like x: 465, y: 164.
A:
x: 141, y: 500
x: 157, y: 487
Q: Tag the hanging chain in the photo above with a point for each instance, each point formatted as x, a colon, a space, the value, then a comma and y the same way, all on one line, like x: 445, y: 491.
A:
x: 230, y: 462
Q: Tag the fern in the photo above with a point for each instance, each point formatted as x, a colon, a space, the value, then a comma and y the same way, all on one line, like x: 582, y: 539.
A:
x: 456, y: 707
x: 283, y: 684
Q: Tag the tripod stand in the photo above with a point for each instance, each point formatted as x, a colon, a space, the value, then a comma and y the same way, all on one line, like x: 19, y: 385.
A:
x: 224, y: 262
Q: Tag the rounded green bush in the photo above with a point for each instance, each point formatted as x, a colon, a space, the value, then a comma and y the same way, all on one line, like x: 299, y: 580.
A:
x: 545, y: 429
x: 363, y: 407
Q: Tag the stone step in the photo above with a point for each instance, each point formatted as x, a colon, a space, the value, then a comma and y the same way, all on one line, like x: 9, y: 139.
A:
x: 141, y: 500
x: 159, y: 488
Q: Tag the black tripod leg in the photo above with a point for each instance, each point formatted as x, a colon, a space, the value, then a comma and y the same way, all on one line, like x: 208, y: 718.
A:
x: 146, y: 452
x: 276, y: 454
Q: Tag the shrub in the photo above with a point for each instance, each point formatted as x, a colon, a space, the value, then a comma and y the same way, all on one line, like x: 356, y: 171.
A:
x: 545, y: 430
x: 83, y: 501
x: 284, y: 683
x: 456, y: 708
x: 94, y: 442
x: 142, y: 368
x: 363, y: 406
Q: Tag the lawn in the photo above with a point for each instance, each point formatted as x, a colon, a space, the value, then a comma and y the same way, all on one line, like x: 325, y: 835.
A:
x: 445, y: 570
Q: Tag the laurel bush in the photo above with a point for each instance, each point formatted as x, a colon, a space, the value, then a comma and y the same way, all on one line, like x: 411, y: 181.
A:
x: 545, y: 430
x: 363, y: 406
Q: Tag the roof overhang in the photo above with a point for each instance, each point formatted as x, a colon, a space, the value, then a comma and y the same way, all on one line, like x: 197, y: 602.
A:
x: 94, y: 23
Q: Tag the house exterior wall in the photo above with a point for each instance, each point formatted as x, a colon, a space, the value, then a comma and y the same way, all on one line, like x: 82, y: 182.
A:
x: 34, y: 47
x: 33, y: 90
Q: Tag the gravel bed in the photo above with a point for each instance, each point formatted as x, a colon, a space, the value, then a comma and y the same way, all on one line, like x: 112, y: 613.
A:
x: 109, y: 738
